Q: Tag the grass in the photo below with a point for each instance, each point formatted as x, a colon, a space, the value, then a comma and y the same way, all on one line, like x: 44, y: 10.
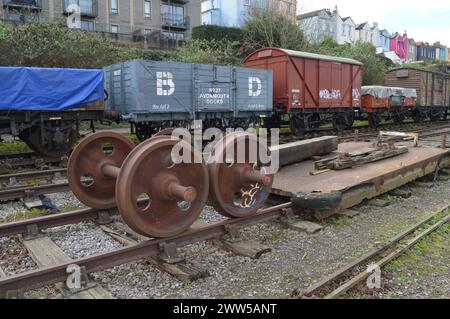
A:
x: 33, y: 213
x: 13, y: 147
x: 340, y: 222
x: 428, y: 256
x: 425, y: 258
x: 389, y: 200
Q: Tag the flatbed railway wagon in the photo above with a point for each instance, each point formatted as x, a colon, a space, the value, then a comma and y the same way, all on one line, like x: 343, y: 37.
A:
x: 155, y: 95
x: 433, y: 91
x: 44, y: 106
x: 311, y: 89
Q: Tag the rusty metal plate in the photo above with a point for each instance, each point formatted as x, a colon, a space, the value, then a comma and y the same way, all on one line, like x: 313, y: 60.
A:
x: 296, y: 178
x: 86, y: 179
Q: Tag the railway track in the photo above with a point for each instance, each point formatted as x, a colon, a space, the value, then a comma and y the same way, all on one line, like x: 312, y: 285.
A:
x: 354, y: 273
x: 14, y: 191
x: 151, y: 247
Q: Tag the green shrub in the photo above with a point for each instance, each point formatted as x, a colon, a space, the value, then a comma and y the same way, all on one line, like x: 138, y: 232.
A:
x: 217, y: 33
x: 158, y: 55
x: 52, y: 44
x: 209, y: 52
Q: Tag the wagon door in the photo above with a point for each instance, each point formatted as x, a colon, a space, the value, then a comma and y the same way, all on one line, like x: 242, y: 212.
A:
x: 213, y: 91
x: 338, y: 88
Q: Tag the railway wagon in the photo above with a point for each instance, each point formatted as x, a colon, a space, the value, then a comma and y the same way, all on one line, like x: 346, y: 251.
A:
x: 433, y: 91
x: 311, y: 89
x: 154, y: 95
x: 382, y: 102
x: 44, y: 106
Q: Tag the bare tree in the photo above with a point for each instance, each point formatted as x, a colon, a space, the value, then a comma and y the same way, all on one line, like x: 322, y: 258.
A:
x: 267, y: 28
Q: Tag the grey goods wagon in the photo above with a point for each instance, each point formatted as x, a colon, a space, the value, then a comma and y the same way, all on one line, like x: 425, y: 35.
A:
x: 154, y: 95
x: 433, y: 91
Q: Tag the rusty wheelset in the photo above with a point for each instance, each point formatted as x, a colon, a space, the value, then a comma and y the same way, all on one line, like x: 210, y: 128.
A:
x: 157, y: 197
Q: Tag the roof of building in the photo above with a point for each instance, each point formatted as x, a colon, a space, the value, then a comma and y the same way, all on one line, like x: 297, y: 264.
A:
x: 313, y: 14
x: 320, y: 57
x: 361, y: 25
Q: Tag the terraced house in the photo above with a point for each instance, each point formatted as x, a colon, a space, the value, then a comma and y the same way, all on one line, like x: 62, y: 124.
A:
x: 324, y: 23
x: 148, y: 23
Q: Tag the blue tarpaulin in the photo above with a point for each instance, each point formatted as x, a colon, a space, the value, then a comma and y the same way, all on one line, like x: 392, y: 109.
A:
x: 42, y: 89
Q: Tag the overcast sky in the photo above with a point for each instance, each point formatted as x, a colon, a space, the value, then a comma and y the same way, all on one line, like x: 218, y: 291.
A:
x: 424, y: 20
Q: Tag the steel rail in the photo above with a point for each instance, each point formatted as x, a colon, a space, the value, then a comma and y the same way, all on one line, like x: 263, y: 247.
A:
x: 33, y: 175
x: 18, y: 192
x: 77, y: 216
x: 58, y: 273
x: 363, y: 259
x: 384, y: 261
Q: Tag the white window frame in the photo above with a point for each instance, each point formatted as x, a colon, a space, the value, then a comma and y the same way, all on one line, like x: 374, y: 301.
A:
x: 115, y: 26
x: 149, y: 15
x: 116, y: 11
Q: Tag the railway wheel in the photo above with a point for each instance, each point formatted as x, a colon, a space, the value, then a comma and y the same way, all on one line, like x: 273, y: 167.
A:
x: 145, y: 130
x: 436, y: 115
x: 418, y: 116
x: 315, y: 121
x: 86, y: 177
x: 398, y: 117
x: 157, y: 197
x: 350, y: 120
x: 343, y: 121
x: 298, y: 125
x: 239, y: 184
x: 55, y: 142
x: 374, y: 120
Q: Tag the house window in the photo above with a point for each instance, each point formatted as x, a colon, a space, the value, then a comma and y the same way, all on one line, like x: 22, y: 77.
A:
x: 114, y: 28
x: 115, y: 6
x: 174, y: 35
x: 147, y: 9
x: 343, y: 30
x: 173, y: 15
x: 147, y: 31
x: 87, y: 25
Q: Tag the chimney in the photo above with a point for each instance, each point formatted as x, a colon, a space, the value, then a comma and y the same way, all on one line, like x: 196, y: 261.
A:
x: 335, y: 10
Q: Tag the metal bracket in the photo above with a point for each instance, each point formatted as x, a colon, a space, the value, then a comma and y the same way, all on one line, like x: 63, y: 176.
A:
x: 12, y: 181
x: 33, y: 232
x: 104, y: 218
x: 169, y: 253
x: 288, y: 216
x: 85, y: 282
x: 233, y: 232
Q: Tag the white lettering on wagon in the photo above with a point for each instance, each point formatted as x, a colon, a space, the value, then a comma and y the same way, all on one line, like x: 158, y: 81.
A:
x: 254, y: 86
x: 214, y: 96
x: 330, y: 94
x: 356, y: 95
x: 164, y: 84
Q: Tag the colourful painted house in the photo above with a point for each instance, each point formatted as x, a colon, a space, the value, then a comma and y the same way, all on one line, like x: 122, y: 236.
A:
x: 425, y: 52
x: 384, y: 41
x: 399, y: 44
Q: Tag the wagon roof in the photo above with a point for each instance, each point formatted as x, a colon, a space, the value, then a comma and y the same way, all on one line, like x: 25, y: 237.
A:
x: 320, y: 57
x: 382, y: 92
x: 446, y: 74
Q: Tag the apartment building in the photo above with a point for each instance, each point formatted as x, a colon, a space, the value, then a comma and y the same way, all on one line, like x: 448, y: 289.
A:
x: 234, y: 13
x: 157, y: 23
